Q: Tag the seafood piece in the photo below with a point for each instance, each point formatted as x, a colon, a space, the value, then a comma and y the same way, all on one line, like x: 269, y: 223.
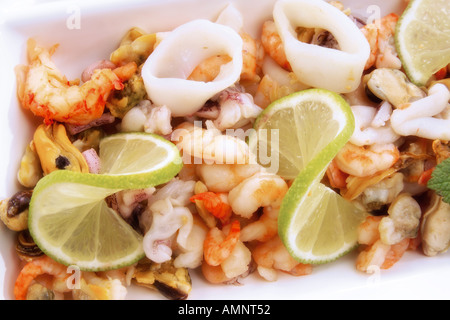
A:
x: 37, y: 291
x: 335, y: 70
x: 26, y: 248
x: 135, y: 47
x: 363, y: 161
x: 210, y: 145
x: 95, y: 287
x: 172, y: 282
x: 384, y: 192
x: 105, y: 119
x: 273, y: 255
x: 30, y: 170
x: 35, y: 268
x: 176, y: 190
x: 441, y: 149
x: 149, y: 118
x: 44, y: 90
x: 375, y: 253
x: 192, y: 255
x: 14, y: 211
x: 427, y: 118
x: 167, y: 222
x: 435, y: 227
x: 273, y: 45
x: 209, y: 69
x: 236, y: 109
x: 128, y: 200
x: 393, y: 86
x: 89, y: 139
x: 224, y: 177
x: 121, y: 101
x: 207, y: 217
x: 216, y: 204
x: 381, y: 255
x: 260, y: 190
x: 372, y: 126
x: 183, y: 52
x: 380, y: 35
x: 262, y: 229
x: 56, y: 151
x: 237, y: 262
x: 89, y: 71
x: 217, y: 246
x: 403, y: 220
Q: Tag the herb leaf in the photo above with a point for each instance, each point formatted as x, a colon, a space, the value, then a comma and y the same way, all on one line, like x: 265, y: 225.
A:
x: 440, y: 180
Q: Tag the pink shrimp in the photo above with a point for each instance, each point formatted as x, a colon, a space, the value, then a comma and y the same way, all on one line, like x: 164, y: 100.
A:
x: 44, y: 90
x: 273, y: 254
x: 215, y: 203
x: 35, y: 268
x: 217, y: 247
x: 376, y: 253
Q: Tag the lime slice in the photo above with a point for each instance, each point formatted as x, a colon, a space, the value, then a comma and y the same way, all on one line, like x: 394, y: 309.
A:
x: 422, y: 38
x: 295, y: 129
x: 315, y: 223
x: 70, y: 221
x: 69, y: 218
x: 138, y: 160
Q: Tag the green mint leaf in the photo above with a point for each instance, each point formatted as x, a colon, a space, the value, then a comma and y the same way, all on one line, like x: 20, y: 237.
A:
x: 440, y: 180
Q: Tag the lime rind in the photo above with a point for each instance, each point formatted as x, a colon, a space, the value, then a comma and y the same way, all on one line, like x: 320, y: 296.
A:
x: 419, y: 69
x: 308, y: 179
x: 62, y: 192
x: 159, y: 174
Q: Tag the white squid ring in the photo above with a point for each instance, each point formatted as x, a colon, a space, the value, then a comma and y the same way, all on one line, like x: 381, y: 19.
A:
x: 166, y: 70
x: 335, y: 70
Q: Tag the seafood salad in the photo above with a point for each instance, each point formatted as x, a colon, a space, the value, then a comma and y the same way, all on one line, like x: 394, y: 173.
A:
x: 218, y: 215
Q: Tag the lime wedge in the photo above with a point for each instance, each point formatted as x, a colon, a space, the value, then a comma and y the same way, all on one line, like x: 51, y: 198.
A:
x: 70, y: 221
x: 69, y: 218
x: 138, y: 160
x: 315, y: 223
x: 422, y: 38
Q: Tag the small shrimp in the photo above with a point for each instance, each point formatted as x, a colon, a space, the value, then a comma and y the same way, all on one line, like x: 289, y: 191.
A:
x: 209, y: 68
x: 214, y: 274
x: 260, y: 190
x: 380, y: 35
x: 215, y: 203
x: 210, y: 145
x: 224, y: 177
x: 262, y: 229
x: 252, y: 58
x: 273, y: 45
x: 377, y: 253
x: 217, y: 247
x: 44, y: 90
x: 381, y: 255
x: 35, y: 268
x: 336, y: 177
x: 273, y: 254
x: 363, y: 161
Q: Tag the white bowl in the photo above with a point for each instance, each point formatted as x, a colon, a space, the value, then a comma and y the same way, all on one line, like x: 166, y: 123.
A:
x: 90, y: 30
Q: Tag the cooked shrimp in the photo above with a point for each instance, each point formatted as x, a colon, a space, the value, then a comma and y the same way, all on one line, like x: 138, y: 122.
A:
x: 381, y: 255
x: 362, y: 161
x: 273, y: 254
x: 272, y: 44
x: 262, y: 229
x: 336, y: 177
x: 218, y: 247
x: 214, y: 274
x: 252, y: 57
x: 215, y: 203
x: 380, y: 35
x: 377, y: 253
x: 209, y: 68
x: 209, y: 145
x: 224, y: 177
x: 260, y: 190
x: 44, y: 90
x: 35, y: 268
